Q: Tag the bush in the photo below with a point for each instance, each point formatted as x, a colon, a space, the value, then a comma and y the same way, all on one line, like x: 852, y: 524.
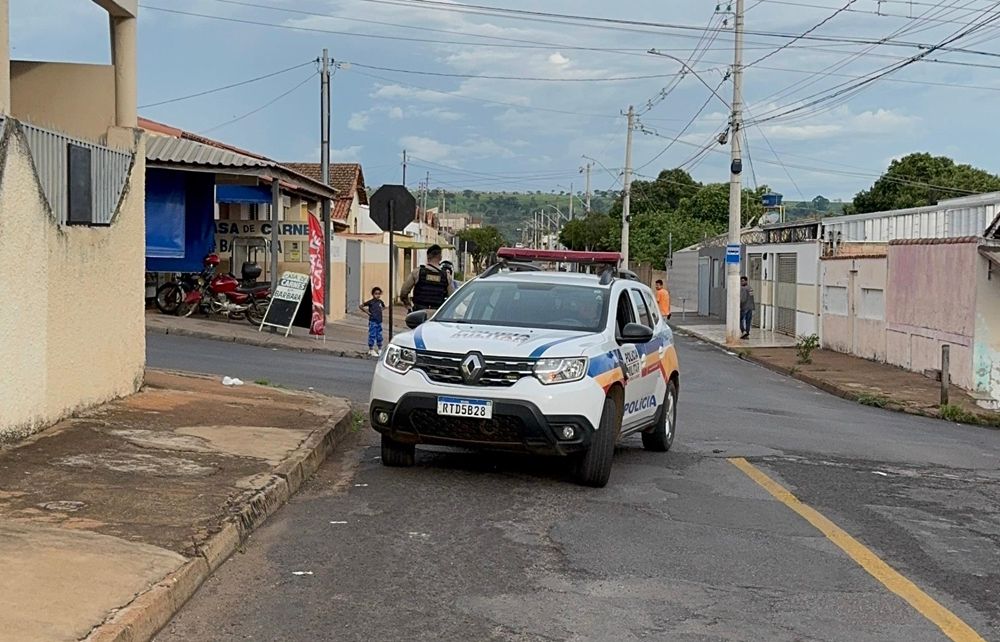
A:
x: 873, y: 400
x: 805, y: 346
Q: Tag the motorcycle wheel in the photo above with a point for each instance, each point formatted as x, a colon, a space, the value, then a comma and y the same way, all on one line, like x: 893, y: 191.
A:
x: 255, y: 313
x: 187, y: 309
x: 169, y: 298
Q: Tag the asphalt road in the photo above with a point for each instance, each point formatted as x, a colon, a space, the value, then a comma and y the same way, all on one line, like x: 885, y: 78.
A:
x: 335, y: 376
x: 679, y: 546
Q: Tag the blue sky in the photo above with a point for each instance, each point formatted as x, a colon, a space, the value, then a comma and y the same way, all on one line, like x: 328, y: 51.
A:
x: 495, y: 134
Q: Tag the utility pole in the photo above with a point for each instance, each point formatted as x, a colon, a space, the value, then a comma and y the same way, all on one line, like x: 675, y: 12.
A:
x: 324, y: 128
x: 627, y: 192
x: 735, y: 189
x: 404, y: 167
x: 587, y: 172
x: 571, y: 201
x: 427, y: 189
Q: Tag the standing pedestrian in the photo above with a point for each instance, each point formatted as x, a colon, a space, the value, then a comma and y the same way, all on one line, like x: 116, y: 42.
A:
x: 662, y: 299
x: 374, y: 307
x: 431, y: 284
x: 747, y: 305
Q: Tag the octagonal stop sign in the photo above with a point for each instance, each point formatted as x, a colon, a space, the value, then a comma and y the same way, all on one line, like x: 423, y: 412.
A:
x: 394, y: 200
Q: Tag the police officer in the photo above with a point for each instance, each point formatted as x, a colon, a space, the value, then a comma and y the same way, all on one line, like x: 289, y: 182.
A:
x: 430, y: 284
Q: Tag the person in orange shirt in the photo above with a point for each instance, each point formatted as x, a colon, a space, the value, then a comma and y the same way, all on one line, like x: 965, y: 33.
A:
x: 662, y: 299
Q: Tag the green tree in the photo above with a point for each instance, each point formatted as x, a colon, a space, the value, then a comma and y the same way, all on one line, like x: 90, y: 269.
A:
x: 921, y: 179
x: 592, y: 233
x: 483, y: 243
x: 663, y: 194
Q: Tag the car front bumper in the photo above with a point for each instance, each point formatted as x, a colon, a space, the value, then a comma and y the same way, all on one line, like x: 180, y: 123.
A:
x: 517, y: 425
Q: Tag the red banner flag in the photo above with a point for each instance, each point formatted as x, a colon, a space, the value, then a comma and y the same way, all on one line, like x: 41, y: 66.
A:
x: 317, y: 274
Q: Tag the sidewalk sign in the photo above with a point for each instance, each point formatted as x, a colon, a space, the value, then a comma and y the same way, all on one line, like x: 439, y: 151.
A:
x: 285, y: 301
x: 733, y: 253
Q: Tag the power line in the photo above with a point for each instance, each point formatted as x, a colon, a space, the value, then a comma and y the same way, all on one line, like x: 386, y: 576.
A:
x: 225, y: 87
x: 804, y: 34
x: 520, y: 78
x: 308, y: 78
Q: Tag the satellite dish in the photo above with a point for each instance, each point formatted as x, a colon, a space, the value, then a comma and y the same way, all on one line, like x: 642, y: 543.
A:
x: 770, y: 218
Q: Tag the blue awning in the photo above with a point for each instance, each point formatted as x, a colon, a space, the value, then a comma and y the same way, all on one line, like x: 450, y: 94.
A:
x: 165, y: 214
x: 242, y: 194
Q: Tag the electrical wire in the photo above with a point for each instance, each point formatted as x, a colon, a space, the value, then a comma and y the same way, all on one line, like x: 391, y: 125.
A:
x: 225, y: 87
x: 519, y: 78
x: 804, y: 34
x: 308, y: 78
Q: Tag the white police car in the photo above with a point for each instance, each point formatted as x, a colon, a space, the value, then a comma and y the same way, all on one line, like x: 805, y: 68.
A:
x: 535, y: 361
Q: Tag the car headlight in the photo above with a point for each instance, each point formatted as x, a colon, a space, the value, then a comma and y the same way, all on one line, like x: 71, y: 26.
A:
x: 561, y: 370
x: 399, y: 359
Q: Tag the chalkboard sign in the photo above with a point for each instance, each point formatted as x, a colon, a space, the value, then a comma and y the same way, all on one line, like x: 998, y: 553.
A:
x: 285, y: 301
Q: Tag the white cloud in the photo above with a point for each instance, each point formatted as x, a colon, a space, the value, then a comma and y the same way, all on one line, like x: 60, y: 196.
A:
x: 392, y: 92
x: 346, y: 154
x: 426, y: 148
x: 396, y: 113
x: 358, y: 121
x: 842, y: 122
x: 558, y: 59
x: 473, y: 148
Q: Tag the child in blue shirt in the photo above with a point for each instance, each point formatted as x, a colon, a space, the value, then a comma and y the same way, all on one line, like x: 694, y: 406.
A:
x: 374, y: 307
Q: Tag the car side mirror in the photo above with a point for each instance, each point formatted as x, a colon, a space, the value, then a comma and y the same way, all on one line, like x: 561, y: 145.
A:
x: 635, y: 333
x: 414, y: 319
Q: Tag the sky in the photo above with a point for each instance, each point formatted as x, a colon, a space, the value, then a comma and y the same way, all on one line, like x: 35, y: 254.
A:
x: 524, y: 97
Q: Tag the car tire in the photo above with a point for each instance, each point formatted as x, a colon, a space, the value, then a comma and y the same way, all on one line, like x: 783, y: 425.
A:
x: 396, y: 454
x: 593, y: 468
x: 661, y: 436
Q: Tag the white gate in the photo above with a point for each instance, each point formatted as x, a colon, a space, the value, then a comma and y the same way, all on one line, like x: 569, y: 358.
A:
x: 785, y: 293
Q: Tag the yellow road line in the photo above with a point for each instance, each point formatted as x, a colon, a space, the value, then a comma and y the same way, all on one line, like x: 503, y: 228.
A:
x: 949, y: 623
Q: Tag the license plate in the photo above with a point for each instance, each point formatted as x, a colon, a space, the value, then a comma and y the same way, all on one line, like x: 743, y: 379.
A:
x: 458, y: 407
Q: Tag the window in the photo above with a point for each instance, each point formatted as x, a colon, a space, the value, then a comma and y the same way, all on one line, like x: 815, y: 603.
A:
x: 640, y: 305
x: 654, y: 310
x: 80, y: 186
x: 835, y: 300
x: 872, y: 304
x: 527, y: 305
x: 624, y: 314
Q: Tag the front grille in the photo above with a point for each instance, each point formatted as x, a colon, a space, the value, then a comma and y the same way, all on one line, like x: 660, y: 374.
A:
x: 504, y: 429
x: 444, y: 367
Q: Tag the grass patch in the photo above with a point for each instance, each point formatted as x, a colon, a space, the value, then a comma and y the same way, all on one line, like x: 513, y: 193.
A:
x: 793, y: 370
x: 873, y: 400
x: 262, y: 382
x: 357, y: 420
x: 951, y: 412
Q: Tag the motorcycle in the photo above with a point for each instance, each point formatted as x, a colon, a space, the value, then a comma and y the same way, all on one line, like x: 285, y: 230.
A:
x: 216, y: 293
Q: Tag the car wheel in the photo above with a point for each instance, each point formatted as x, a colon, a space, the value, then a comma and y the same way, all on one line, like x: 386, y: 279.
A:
x: 593, y: 468
x: 396, y: 454
x: 661, y: 436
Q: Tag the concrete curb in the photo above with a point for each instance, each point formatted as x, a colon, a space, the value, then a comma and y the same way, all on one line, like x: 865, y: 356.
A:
x: 262, y: 342
x: 151, y: 610
x: 836, y: 391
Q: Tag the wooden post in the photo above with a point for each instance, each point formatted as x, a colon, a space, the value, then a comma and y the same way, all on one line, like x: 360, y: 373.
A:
x: 945, y: 372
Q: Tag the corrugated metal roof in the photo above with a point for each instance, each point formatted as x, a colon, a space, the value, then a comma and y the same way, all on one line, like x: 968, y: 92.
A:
x: 167, y: 149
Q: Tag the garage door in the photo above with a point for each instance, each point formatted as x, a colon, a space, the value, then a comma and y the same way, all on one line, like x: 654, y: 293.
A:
x: 784, y: 296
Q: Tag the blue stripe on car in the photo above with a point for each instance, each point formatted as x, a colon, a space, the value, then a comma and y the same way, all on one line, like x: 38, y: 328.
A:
x: 418, y: 338
x: 540, y: 350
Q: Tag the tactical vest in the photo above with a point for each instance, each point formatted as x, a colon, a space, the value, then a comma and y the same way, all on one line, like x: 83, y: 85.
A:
x: 431, y: 288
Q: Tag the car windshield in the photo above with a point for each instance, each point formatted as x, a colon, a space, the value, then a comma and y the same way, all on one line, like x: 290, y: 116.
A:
x: 547, y: 306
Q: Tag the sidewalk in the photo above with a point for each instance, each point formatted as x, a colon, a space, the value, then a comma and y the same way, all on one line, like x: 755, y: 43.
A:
x: 111, y: 520
x: 867, y: 382
x: 713, y: 330
x: 345, y: 338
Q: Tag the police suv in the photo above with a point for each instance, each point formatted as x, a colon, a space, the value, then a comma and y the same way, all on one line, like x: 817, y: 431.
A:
x: 536, y: 361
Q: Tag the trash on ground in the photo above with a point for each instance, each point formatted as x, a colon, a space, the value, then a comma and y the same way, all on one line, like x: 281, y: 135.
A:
x: 302, y: 572
x: 231, y: 381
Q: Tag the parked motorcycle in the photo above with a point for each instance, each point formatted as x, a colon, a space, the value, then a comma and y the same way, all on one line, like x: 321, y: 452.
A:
x: 214, y: 293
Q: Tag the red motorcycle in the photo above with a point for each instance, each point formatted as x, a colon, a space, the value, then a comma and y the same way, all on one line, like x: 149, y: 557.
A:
x: 225, y: 294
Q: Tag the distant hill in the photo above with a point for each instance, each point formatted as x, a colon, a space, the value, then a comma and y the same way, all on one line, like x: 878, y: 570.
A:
x: 508, y: 211
x: 817, y: 207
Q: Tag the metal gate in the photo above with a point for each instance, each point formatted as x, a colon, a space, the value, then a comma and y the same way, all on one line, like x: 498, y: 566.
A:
x: 353, y: 257
x: 755, y: 277
x: 785, y: 294
x: 704, y: 283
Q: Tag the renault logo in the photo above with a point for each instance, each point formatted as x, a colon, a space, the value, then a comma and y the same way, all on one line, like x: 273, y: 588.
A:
x: 472, y: 368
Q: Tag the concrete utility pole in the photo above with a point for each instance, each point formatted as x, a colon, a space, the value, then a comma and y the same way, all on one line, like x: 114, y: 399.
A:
x: 404, y: 167
x: 324, y: 128
x: 627, y: 192
x: 571, y: 194
x: 587, y: 172
x: 735, y: 189
x: 427, y: 189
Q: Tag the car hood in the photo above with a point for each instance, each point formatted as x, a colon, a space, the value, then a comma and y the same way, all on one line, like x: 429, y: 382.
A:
x: 500, y: 341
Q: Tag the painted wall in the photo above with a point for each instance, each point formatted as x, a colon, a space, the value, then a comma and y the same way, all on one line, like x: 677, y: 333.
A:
x: 853, y: 305
x: 75, y: 99
x: 986, y: 346
x: 930, y: 301
x: 73, y: 331
x: 806, y: 288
